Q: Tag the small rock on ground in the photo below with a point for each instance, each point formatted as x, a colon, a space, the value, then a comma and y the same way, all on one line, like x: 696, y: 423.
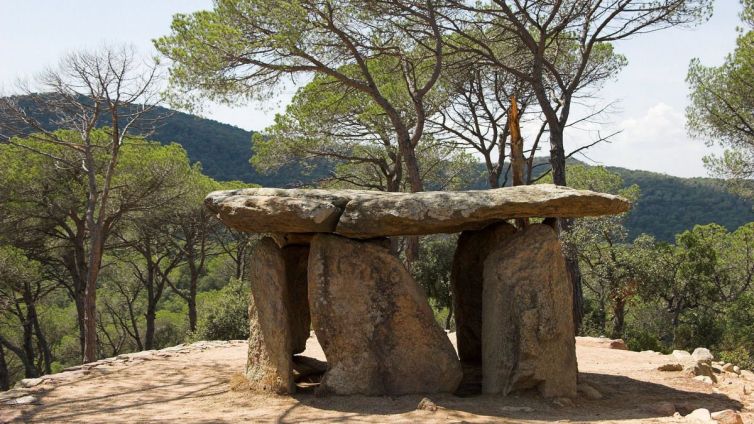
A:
x: 702, y: 354
x: 700, y: 416
x: 589, y: 392
x: 727, y: 416
x: 704, y: 379
x: 670, y: 367
x: 23, y: 400
x: 563, y: 402
x: 426, y: 404
x: 618, y: 344
x: 681, y: 354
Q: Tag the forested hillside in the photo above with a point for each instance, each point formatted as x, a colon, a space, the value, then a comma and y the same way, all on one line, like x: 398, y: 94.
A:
x: 670, y: 205
x: 667, y: 205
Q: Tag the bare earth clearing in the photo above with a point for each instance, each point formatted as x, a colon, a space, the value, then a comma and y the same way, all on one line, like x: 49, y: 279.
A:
x: 193, y: 384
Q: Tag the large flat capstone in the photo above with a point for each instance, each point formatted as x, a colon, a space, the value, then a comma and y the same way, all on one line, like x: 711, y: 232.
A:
x: 368, y: 214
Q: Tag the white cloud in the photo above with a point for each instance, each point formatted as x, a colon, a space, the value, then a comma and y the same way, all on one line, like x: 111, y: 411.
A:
x: 655, y: 141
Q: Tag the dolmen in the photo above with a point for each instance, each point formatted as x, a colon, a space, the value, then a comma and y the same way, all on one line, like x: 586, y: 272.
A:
x: 326, y: 264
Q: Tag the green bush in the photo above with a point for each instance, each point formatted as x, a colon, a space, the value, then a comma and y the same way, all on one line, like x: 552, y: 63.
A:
x: 643, y: 340
x: 224, y: 314
x: 738, y: 356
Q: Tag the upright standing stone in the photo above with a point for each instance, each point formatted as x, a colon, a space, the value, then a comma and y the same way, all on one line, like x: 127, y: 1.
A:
x: 527, y: 319
x: 466, y: 284
x: 296, y: 259
x: 374, y: 323
x: 269, y: 366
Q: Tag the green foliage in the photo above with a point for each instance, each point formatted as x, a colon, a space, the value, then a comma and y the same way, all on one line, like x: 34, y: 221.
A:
x: 644, y: 340
x: 722, y: 102
x: 432, y: 270
x: 225, y: 313
x: 738, y: 356
x: 670, y: 205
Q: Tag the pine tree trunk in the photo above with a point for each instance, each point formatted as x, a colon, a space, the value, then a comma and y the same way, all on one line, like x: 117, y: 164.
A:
x: 151, y: 315
x: 558, y: 164
x: 4, y: 374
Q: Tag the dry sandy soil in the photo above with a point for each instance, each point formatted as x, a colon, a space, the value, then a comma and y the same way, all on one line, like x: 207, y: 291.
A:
x: 192, y: 384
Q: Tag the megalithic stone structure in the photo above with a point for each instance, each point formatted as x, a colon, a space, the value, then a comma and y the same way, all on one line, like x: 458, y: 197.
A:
x: 329, y: 264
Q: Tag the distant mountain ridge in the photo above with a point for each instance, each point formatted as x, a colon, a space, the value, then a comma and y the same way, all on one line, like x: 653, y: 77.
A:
x: 668, y: 205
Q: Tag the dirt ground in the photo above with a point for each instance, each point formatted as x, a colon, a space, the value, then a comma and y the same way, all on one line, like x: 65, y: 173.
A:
x: 191, y: 384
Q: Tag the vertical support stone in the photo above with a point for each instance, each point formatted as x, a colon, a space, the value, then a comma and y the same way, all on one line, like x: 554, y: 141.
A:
x: 279, y: 319
x: 466, y: 284
x: 374, y: 323
x: 269, y: 366
x: 527, y: 319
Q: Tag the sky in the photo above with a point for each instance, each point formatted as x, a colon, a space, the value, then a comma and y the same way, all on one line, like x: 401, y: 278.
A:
x: 650, y: 94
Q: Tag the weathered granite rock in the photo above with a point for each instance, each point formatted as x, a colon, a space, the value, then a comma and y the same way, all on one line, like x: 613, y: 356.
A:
x: 288, y: 239
x: 374, y: 323
x: 466, y: 278
x: 527, y: 321
x: 264, y: 210
x: 702, y: 354
x: 269, y: 366
x: 296, y: 259
x: 369, y: 214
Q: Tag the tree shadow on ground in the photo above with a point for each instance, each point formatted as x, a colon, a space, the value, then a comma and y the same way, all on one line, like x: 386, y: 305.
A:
x: 120, y: 400
x: 624, y: 399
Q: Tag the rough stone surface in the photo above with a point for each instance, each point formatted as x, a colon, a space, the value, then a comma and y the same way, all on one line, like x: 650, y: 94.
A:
x: 702, y: 354
x: 589, y: 391
x: 426, y: 404
x: 526, y: 286
x: 369, y: 214
x: 670, y: 367
x: 374, y: 323
x: 618, y: 344
x: 269, y: 366
x: 699, y: 416
x: 296, y: 259
x: 702, y: 369
x: 682, y: 355
x: 288, y: 239
x: 727, y: 416
x: 466, y: 284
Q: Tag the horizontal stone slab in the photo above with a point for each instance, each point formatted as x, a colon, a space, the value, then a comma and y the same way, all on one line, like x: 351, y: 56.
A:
x: 368, y: 214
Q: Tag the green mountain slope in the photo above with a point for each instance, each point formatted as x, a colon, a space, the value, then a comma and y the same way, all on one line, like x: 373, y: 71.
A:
x: 669, y: 205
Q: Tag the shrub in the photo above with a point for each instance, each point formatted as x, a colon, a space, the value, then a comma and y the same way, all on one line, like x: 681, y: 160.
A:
x: 224, y: 314
x: 738, y: 356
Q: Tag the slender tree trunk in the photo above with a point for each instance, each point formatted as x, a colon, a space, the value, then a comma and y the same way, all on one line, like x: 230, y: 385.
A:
x: 150, y: 317
x: 90, y: 297
x: 602, y: 316
x: 558, y: 164
x: 619, y: 316
x: 557, y: 155
x: 192, y: 309
x: 412, y: 163
x: 4, y: 374
x: 29, y: 370
x: 28, y: 346
x: 41, y: 340
x: 80, y: 318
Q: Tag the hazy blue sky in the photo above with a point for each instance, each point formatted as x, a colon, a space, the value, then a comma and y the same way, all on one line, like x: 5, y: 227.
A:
x: 651, y: 91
